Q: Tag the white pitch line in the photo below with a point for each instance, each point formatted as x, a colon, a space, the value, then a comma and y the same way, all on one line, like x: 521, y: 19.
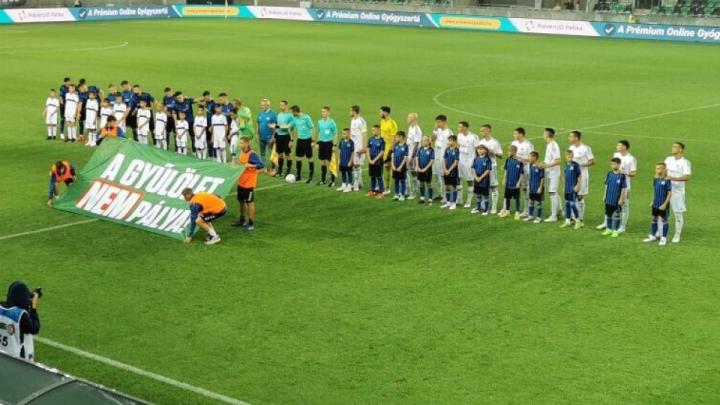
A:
x: 647, y: 117
x: 87, y: 221
x: 147, y: 374
x: 45, y: 48
x: 50, y: 228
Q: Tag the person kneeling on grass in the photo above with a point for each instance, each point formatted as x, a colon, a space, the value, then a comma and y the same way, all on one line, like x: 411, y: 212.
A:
x: 246, y: 184
x: 204, y: 208
x: 62, y: 171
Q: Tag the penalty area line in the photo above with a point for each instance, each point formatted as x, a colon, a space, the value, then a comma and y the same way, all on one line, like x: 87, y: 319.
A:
x: 144, y: 373
x: 87, y: 221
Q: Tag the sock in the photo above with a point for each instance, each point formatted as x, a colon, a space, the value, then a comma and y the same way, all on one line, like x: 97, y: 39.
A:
x: 50, y: 135
x: 54, y: 132
x: 323, y: 172
x: 422, y: 190
x: 350, y: 180
x: 289, y: 167
x: 454, y: 196
x: 654, y: 228
x: 517, y: 205
x: 298, y: 168
x: 575, y: 211
x: 616, y: 222
x: 332, y: 178
x: 447, y: 195
x: 580, y: 208
x: 679, y: 222
x: 539, y: 211
x: 608, y: 222
x: 625, y: 213
x: 403, y: 187
x: 312, y: 168
x: 356, y: 176
x: 430, y: 193
x: 396, y: 186
x: 381, y: 184
x: 459, y: 192
x: 251, y: 222
x: 506, y: 204
x: 494, y: 196
x: 373, y: 183
x: 479, y: 203
x: 531, y: 209
x: 281, y: 162
x: 469, y: 197
x: 212, y: 232
x: 665, y: 228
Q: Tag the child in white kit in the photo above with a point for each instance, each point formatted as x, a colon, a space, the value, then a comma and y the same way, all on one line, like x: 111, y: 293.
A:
x: 200, y: 131
x: 160, y: 127
x: 181, y: 133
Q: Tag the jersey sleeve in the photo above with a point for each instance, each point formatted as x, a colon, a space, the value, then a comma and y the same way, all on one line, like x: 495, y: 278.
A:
x: 195, y: 209
x: 254, y: 159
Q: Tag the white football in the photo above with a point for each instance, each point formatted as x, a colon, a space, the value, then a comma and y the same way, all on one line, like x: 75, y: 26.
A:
x: 290, y: 178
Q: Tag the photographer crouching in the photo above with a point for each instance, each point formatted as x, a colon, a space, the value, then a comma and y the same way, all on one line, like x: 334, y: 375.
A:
x: 19, y: 321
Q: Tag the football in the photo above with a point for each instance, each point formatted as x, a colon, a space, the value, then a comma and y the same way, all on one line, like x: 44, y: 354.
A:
x: 290, y: 178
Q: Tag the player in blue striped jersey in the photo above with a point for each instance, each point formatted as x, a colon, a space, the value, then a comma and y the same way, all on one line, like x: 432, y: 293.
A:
x: 513, y: 178
x: 424, y: 159
x: 615, y: 193
x: 481, y: 168
x: 451, y: 160
x: 376, y: 149
x: 572, y: 174
x: 347, y: 148
x: 399, y: 164
x: 536, y: 188
x: 662, y: 193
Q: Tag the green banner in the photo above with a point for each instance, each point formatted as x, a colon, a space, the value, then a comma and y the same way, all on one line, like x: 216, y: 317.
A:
x: 140, y: 186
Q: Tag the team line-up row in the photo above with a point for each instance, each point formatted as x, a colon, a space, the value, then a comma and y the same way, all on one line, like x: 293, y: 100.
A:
x: 459, y: 162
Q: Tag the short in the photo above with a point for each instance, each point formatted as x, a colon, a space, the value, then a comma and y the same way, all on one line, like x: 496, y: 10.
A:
x: 91, y: 125
x: 211, y: 216
x: 245, y: 195
x: 552, y: 184
x: 512, y: 193
x: 304, y: 148
x: 537, y: 197
x: 375, y: 170
x: 426, y: 176
x: 131, y: 121
x: 584, y: 185
x: 325, y: 150
x: 70, y: 118
x: 358, y: 158
x: 657, y: 212
x: 282, y: 144
x: 677, y: 201
x: 493, y: 177
x: 399, y: 175
x: 219, y: 141
x: 611, y: 210
x: 481, y: 190
x: 466, y: 171
x: 570, y: 196
x: 451, y: 180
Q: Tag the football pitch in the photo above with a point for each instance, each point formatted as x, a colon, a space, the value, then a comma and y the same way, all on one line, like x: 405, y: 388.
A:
x: 338, y: 299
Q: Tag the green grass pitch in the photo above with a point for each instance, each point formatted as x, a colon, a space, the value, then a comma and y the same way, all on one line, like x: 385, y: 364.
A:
x: 336, y: 299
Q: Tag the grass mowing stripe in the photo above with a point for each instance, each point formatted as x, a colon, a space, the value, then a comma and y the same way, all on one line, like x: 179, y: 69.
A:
x: 87, y: 221
x: 141, y: 372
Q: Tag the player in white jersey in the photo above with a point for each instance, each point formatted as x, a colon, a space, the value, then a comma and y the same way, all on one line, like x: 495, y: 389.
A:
x: 551, y: 164
x: 144, y: 115
x: 181, y: 133
x: 358, y: 134
x: 582, y: 154
x: 414, y: 137
x: 105, y: 112
x: 19, y: 321
x: 678, y: 172
x: 200, y: 128
x: 92, y: 111
x: 219, y: 126
x: 467, y: 142
x: 120, y: 112
x: 440, y: 135
x: 72, y: 113
x: 160, y: 131
x: 52, y: 107
x: 234, y: 136
x: 628, y: 167
x: 524, y: 147
x: 495, y: 152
